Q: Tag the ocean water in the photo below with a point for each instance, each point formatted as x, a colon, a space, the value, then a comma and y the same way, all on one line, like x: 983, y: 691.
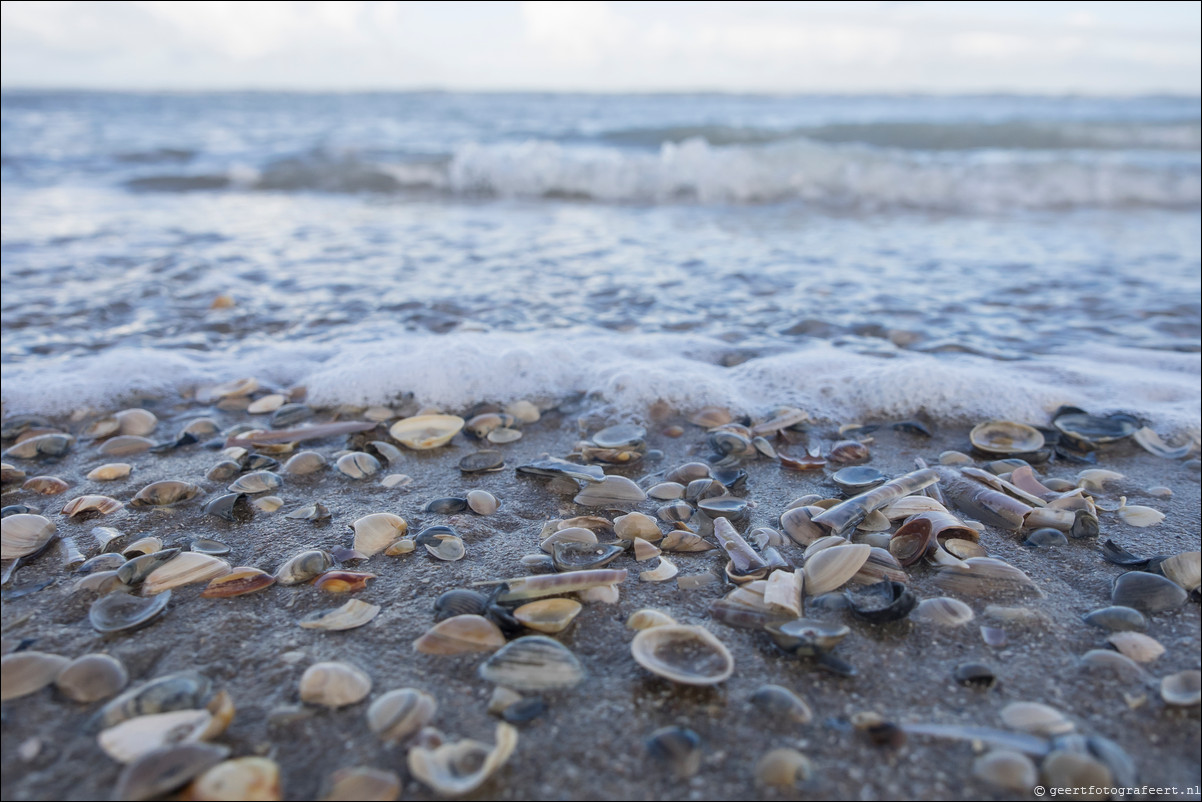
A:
x: 861, y: 257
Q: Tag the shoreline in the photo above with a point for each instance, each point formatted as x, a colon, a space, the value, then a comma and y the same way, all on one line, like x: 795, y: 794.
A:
x: 589, y: 741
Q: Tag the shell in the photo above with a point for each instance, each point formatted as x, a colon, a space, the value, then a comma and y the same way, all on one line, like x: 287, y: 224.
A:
x: 678, y: 748
x: 1185, y: 569
x: 482, y: 461
x: 137, y: 422
x: 268, y: 503
x: 24, y: 534
x: 1109, y: 662
x: 165, y: 494
x: 315, y: 511
x: 52, y: 444
x: 267, y: 403
x: 110, y: 471
x: 303, y: 463
x: 126, y: 445
x: 666, y: 491
x: 533, y: 663
x: 984, y: 577
x: 1036, y: 718
x: 644, y: 551
x: 251, y: 779
x: 184, y: 569
x: 613, y: 491
x: 143, y: 546
x: 92, y: 678
x: 1139, y: 516
x: 548, y: 615
x: 461, y: 634
x: 354, y: 613
x: 28, y: 672
x: 186, y: 690
x: 334, y: 684
x: 1148, y: 593
x: 399, y: 714
x: 783, y: 768
x: 777, y: 702
x: 832, y: 567
x: 454, y: 769
x: 784, y: 591
x: 102, y: 505
x: 362, y: 784
x: 358, y: 465
x: 686, y: 654
x: 944, y: 611
x: 1003, y: 768
x: 118, y: 612
x: 482, y: 502
x: 636, y: 524
x: 1005, y: 437
x: 571, y: 534
x: 378, y: 531
x: 1064, y: 769
x: 46, y: 485
x: 136, y: 737
x: 1183, y: 689
x: 342, y: 581
x: 1136, y: 645
x: 303, y: 567
x: 881, y: 602
x: 159, y: 772
x: 425, y: 432
x: 238, y: 582
x: 256, y: 482
x: 681, y: 540
x: 646, y: 619
x: 446, y: 547
x: 1117, y: 619
x: 661, y: 573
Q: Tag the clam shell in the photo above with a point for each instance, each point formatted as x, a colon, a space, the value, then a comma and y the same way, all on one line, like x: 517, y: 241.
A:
x: 985, y: 577
x: 446, y: 547
x: 126, y: 445
x: 1117, y: 619
x: 268, y: 503
x: 1184, y: 569
x: 142, y: 546
x: 309, y: 512
x: 666, y: 491
x: 184, y: 569
x: 303, y: 463
x: 238, y: 582
x: 137, y: 422
x: 24, y: 534
x: 1064, y: 769
x: 1183, y: 689
x: 354, y: 613
x: 571, y: 534
x: 944, y: 611
x: 1148, y: 593
x: 482, y: 502
x: 161, y: 771
x: 685, y: 654
x: 1136, y: 645
x: 45, y: 485
x: 461, y: 634
x: 1036, y: 719
x: 783, y: 767
x: 362, y: 784
x: 613, y: 491
x: 636, y: 524
x: 1080, y: 425
x: 454, y: 769
x: 185, y: 690
x: 165, y: 493
x: 832, y: 567
x: 646, y: 619
x: 110, y: 471
x: 256, y: 482
x: 103, y: 505
x: 425, y: 432
x: 268, y: 403
x: 378, y: 531
x: 1153, y: 444
x: 28, y: 672
x: 399, y: 714
x: 136, y: 737
x: 250, y: 779
x: 92, y: 678
x: 482, y: 461
x: 1139, y: 516
x: 533, y: 663
x: 1108, y: 662
x: 681, y: 540
x: 1003, y: 768
x: 678, y: 748
x: 358, y: 465
x: 459, y: 601
x: 303, y: 567
x: 342, y: 581
x: 779, y: 703
x: 1005, y: 437
x: 334, y: 684
x: 548, y: 615
x: 52, y: 444
x: 118, y: 612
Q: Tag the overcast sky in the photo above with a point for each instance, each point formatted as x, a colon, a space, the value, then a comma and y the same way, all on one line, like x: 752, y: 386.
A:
x: 598, y: 46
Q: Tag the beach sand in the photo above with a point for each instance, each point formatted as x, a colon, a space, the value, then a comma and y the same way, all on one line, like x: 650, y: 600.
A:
x: 590, y: 741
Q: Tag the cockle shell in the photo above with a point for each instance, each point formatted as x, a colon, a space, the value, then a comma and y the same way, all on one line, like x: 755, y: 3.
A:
x: 399, y: 714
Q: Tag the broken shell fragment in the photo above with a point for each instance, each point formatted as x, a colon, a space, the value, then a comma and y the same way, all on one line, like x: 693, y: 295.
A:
x: 399, y: 714
x: 354, y: 613
x: 92, y: 678
x: 461, y: 634
x: 24, y: 534
x: 425, y: 432
x: 685, y: 654
x: 133, y: 738
x: 661, y: 573
x: 454, y: 769
x: 548, y: 615
x: 28, y: 672
x: 533, y: 587
x: 334, y: 684
x: 533, y: 663
x: 119, y: 612
x: 238, y: 582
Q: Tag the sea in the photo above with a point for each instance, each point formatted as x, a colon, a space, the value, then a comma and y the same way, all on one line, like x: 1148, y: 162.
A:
x: 861, y: 257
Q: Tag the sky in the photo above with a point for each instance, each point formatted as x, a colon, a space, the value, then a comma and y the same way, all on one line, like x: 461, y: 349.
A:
x: 1041, y: 47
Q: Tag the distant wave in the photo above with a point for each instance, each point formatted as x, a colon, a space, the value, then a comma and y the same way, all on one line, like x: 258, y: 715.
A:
x: 695, y: 171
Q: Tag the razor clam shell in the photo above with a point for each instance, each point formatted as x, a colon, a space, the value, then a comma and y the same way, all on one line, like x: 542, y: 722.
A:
x: 134, y: 738
x: 461, y: 634
x: 533, y: 663
x: 454, y: 769
x: 533, y: 587
x: 689, y: 655
x: 831, y: 568
x: 185, y: 568
x: 849, y: 513
x: 353, y: 614
x: 334, y: 684
x: 401, y: 713
x: 613, y: 491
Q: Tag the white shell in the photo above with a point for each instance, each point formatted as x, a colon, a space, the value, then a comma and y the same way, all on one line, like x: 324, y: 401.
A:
x: 1139, y: 647
x: 136, y: 422
x: 612, y: 491
x: 1185, y: 569
x: 784, y: 591
x: 636, y: 524
x: 378, y: 531
x: 1095, y: 479
x: 424, y: 432
x: 943, y: 610
x: 398, y: 714
x: 268, y: 403
x: 131, y: 739
x: 334, y: 684
x: 185, y: 568
x: 454, y: 769
x: 1012, y: 771
x: 28, y: 672
x: 353, y: 614
x: 830, y: 568
x: 24, y: 534
x: 1036, y: 719
x: 110, y: 471
x: 647, y: 618
x: 706, y: 661
x: 1139, y: 516
x: 661, y: 573
x: 1183, y: 689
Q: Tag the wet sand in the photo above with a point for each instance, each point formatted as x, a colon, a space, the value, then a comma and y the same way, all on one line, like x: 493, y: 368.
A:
x: 589, y: 742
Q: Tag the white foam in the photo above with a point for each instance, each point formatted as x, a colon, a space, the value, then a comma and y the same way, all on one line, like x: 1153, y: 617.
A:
x: 631, y: 372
